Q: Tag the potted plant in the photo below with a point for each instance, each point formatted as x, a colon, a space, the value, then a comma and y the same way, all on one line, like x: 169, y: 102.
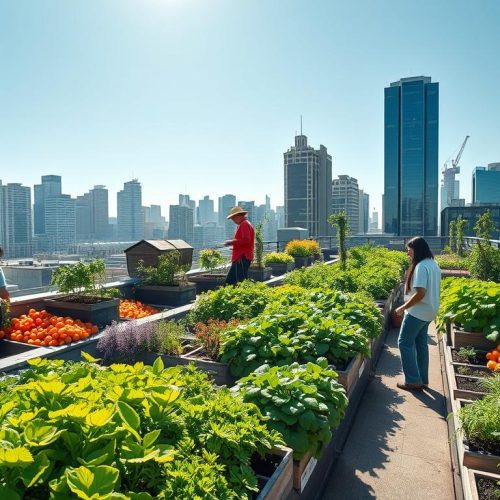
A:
x: 340, y: 222
x: 85, y: 297
x: 164, y: 284
x: 300, y: 251
x: 279, y: 262
x: 258, y: 271
x: 213, y: 262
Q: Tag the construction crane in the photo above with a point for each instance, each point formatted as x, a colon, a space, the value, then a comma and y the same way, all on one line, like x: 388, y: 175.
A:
x: 454, y: 162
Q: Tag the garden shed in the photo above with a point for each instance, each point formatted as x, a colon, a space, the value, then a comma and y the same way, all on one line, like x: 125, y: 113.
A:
x: 149, y: 251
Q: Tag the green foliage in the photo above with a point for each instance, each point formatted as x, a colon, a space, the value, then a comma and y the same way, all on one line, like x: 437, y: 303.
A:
x: 451, y: 261
x: 340, y: 222
x: 4, y: 314
x: 302, y: 402
x: 467, y: 354
x: 301, y: 327
x: 484, y: 260
x: 479, y: 420
x: 452, y: 228
x: 278, y: 258
x: 81, y: 279
x: 211, y: 259
x: 473, y: 305
x: 259, y: 245
x: 460, y: 231
x: 79, y: 430
x: 244, y: 300
x: 165, y: 273
x: 167, y: 337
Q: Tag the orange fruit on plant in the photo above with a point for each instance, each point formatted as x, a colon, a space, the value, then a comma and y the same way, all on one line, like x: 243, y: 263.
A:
x: 491, y: 365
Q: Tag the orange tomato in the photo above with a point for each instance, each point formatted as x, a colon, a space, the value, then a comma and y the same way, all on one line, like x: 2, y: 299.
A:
x: 491, y: 365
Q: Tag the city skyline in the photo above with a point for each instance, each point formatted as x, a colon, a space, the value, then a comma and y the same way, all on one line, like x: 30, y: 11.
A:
x: 186, y: 97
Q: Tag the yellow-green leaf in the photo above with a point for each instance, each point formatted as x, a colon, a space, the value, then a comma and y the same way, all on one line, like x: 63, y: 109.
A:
x: 100, y: 417
x: 15, y: 457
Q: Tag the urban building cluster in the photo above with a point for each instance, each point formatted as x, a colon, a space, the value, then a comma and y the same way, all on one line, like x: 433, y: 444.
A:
x: 54, y: 222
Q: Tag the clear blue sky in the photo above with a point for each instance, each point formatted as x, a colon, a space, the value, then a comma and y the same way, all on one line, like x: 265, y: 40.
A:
x: 204, y: 96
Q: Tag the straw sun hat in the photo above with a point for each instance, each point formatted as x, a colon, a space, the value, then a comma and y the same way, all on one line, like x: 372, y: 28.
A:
x: 236, y: 211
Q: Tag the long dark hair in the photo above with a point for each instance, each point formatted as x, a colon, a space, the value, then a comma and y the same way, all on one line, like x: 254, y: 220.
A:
x: 421, y: 251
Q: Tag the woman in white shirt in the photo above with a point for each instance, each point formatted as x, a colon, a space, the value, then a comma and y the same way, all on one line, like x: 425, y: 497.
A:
x: 423, y: 280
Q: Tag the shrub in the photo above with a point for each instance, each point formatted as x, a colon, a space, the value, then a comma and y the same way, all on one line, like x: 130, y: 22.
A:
x: 211, y: 259
x: 278, y: 258
x: 340, y: 222
x: 81, y: 279
x: 299, y: 248
x: 167, y: 272
x: 208, y: 335
x: 302, y: 402
x: 451, y: 261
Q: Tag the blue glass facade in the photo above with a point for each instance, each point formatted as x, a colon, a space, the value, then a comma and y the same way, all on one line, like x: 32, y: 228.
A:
x: 486, y: 185
x: 411, y: 121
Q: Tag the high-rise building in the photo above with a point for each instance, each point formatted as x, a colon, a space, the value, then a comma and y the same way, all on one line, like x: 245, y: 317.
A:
x: 181, y: 223
x: 411, y: 121
x: 308, y: 192
x: 15, y: 220
x: 364, y: 211
x: 280, y: 216
x: 374, y: 223
x: 206, y: 214
x: 486, y: 184
x: 83, y: 217
x: 249, y: 206
x: 50, y: 186
x: 450, y: 188
x: 226, y: 202
x: 99, y: 213
x: 60, y: 223
x: 345, y: 197
x: 470, y: 214
x: 130, y: 219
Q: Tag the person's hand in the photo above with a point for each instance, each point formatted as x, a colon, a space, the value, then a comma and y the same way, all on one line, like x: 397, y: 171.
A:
x: 228, y: 243
x: 400, y: 310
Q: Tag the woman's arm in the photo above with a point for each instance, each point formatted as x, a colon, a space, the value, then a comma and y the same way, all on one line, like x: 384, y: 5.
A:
x: 414, y: 299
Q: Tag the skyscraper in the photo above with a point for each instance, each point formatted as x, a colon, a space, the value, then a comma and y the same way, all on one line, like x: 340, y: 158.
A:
x: 60, y: 223
x: 130, y: 219
x: 345, y: 197
x: 206, y: 214
x: 15, y: 220
x: 92, y: 216
x: 364, y: 211
x: 50, y: 186
x: 226, y: 202
x: 411, y: 121
x: 308, y: 187
x: 486, y: 184
x: 181, y: 223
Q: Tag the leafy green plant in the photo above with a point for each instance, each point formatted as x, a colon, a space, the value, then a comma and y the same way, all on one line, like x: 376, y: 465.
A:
x: 467, y: 354
x: 473, y: 305
x: 211, y: 259
x: 208, y: 335
x: 340, y: 222
x: 167, y: 272
x: 81, y: 279
x: 167, y: 337
x: 246, y: 299
x: 4, y: 314
x: 451, y: 261
x: 460, y: 238
x: 452, y: 227
x: 298, y: 248
x: 78, y: 429
x: 259, y: 246
x: 302, y: 402
x: 278, y: 258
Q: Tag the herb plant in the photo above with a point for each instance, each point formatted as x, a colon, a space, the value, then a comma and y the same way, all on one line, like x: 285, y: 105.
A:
x: 302, y: 402
x: 211, y: 259
x: 167, y: 272
x: 208, y: 335
x: 467, y: 354
x: 278, y: 258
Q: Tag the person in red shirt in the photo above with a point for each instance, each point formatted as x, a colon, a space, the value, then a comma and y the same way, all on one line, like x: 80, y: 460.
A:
x: 243, y: 245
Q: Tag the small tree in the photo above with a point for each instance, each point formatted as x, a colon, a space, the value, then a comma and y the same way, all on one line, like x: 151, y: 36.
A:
x: 259, y: 245
x: 484, y: 260
x: 451, y: 235
x: 460, y: 238
x: 340, y: 222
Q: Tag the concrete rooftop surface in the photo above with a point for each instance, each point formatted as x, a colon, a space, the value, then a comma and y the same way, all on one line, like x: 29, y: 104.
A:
x: 398, y: 445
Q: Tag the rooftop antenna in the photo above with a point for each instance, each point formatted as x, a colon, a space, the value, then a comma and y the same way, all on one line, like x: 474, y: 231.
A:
x: 300, y: 124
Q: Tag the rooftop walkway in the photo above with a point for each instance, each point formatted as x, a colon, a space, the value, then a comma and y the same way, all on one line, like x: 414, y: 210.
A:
x: 398, y: 445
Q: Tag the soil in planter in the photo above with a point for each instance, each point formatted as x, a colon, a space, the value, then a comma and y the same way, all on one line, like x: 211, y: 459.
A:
x: 83, y: 299
x: 487, y: 488
x: 475, y: 372
x: 479, y: 359
x: 481, y: 446
x: 341, y: 365
x: 469, y: 384
x: 265, y: 466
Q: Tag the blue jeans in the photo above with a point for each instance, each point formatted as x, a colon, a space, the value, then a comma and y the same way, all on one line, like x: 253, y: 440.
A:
x: 412, y: 343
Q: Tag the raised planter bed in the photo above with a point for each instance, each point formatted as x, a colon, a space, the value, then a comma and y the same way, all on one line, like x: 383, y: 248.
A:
x: 258, y: 274
x: 278, y: 269
x: 349, y: 376
x: 208, y: 281
x: 480, y: 460
x: 99, y: 313
x: 481, y: 485
x: 166, y: 295
x: 274, y: 474
x: 12, y: 348
x: 461, y: 338
x: 302, y: 262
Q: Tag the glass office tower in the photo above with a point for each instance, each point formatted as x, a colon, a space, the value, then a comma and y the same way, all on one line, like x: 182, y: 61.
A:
x: 411, y: 119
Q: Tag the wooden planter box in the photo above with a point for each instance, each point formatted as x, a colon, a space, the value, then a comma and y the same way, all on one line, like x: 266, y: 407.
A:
x: 302, y: 470
x: 208, y: 281
x: 278, y: 269
x: 166, y: 295
x: 349, y: 377
x: 258, y: 274
x: 465, y: 393
x: 471, y: 491
x: 485, y: 462
x: 102, y: 313
x: 461, y: 338
x: 278, y: 485
x: 218, y: 371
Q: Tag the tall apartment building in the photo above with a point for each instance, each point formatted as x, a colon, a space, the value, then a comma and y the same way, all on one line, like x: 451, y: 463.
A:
x: 15, y: 220
x: 345, y: 197
x: 364, y: 211
x: 226, y: 202
x: 181, y: 223
x: 486, y: 184
x: 249, y: 206
x: 130, y: 218
x: 154, y: 223
x: 206, y: 213
x: 50, y: 186
x: 60, y: 223
x: 308, y: 192
x: 411, y: 124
